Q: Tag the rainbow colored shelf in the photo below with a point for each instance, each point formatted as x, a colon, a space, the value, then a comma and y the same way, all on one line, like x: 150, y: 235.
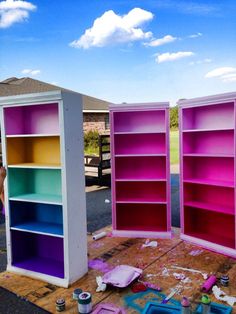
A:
x: 45, y: 220
x: 207, y: 172
x: 140, y: 170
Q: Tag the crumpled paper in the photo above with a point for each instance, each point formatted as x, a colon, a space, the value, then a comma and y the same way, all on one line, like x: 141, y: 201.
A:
x: 222, y: 296
x: 101, y: 286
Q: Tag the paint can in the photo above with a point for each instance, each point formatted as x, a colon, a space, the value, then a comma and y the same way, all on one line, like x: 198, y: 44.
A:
x: 60, y: 305
x: 206, y: 304
x: 224, y: 280
x: 185, y: 306
x: 76, y: 294
x: 85, y: 303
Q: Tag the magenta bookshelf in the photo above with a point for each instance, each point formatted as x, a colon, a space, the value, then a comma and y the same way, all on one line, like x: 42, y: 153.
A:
x: 207, y: 172
x: 140, y: 170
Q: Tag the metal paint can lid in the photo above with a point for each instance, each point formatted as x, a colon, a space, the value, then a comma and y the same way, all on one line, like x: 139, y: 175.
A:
x: 85, y: 298
x: 60, y: 301
x: 76, y: 293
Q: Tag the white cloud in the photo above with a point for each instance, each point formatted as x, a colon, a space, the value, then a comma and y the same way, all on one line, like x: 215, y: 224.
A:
x: 14, y: 12
x: 195, y: 35
x: 207, y: 60
x: 219, y: 72
x: 111, y: 28
x: 31, y: 72
x: 167, y: 56
x: 161, y: 41
x: 229, y: 78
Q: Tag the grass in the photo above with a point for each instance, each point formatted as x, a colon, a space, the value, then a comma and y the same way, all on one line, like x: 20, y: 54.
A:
x: 174, y: 148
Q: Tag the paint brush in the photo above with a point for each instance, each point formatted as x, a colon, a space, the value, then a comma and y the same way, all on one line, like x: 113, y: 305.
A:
x: 173, y: 292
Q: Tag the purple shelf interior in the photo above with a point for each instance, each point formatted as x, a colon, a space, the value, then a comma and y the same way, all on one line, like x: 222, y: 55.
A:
x: 140, y: 167
x: 204, y: 168
x: 141, y: 191
x: 38, y: 253
x: 35, y: 119
x: 140, y: 144
x: 209, y: 117
x: 139, y: 121
x: 141, y: 217
x: 210, y: 226
x: 215, y: 197
x: 217, y: 142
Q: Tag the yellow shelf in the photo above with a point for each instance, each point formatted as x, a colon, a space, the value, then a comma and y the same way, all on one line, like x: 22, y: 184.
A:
x: 35, y: 150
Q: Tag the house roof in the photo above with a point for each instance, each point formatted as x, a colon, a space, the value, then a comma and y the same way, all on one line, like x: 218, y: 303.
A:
x: 19, y: 86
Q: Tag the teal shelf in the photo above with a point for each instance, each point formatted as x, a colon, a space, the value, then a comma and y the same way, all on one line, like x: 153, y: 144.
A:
x: 35, y: 184
x: 38, y: 198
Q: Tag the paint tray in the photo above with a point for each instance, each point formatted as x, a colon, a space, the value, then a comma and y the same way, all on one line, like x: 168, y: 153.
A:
x: 216, y: 309
x: 156, y: 308
x: 106, y: 309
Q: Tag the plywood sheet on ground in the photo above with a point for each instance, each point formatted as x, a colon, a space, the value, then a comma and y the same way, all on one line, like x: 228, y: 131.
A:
x: 157, y: 264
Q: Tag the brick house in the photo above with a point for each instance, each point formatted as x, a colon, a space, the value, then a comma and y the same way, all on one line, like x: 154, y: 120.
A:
x: 95, y: 111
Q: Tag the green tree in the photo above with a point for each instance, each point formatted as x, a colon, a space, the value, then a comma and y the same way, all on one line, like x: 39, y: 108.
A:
x: 174, y: 116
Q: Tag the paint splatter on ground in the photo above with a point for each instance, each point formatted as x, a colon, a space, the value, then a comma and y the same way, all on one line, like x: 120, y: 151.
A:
x: 195, y: 252
x: 97, y: 264
x: 96, y: 245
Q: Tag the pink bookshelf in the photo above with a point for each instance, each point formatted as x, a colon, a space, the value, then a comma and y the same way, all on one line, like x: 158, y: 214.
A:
x: 207, y: 172
x: 140, y: 170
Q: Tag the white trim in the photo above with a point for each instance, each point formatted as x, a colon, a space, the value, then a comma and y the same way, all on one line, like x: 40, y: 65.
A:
x: 45, y: 97
x: 211, y: 100
x: 95, y: 111
x: 150, y: 105
x: 50, y: 279
x: 142, y: 234
x: 209, y: 245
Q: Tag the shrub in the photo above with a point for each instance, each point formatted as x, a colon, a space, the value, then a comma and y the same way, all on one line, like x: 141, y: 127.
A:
x: 91, y: 139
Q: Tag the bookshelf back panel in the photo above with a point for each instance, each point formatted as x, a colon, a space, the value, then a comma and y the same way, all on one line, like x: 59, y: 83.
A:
x: 139, y: 121
x: 141, y: 191
x: 141, y: 217
x: 216, y: 142
x: 216, y: 168
x: 209, y: 117
x: 140, y: 144
x: 39, y: 181
x: 33, y: 150
x: 34, y: 119
x: 140, y: 167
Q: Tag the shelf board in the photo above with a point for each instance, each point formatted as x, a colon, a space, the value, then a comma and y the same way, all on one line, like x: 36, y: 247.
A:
x: 141, y: 132
x: 207, y: 130
x: 35, y: 166
x: 140, y: 155
x: 38, y: 198
x: 211, y: 207
x: 209, y: 155
x: 210, y: 182
x: 50, y: 229
x: 32, y: 135
x: 142, y: 180
x: 141, y: 202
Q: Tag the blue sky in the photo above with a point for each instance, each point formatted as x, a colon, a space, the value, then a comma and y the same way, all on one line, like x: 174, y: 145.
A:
x: 122, y: 51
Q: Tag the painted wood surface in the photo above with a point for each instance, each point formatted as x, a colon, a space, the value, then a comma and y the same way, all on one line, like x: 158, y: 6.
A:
x: 140, y: 170
x: 158, y: 266
x: 33, y: 150
x: 207, y: 172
